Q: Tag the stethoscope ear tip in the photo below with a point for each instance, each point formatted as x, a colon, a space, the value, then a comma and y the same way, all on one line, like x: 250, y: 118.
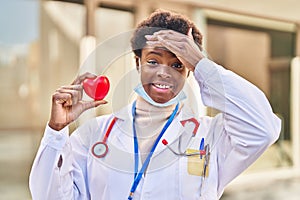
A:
x: 165, y: 142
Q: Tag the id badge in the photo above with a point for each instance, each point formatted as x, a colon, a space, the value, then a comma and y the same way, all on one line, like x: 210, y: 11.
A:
x: 197, y: 165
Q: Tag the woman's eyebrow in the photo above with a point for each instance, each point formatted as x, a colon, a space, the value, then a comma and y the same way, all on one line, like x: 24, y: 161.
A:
x: 157, y: 51
x: 154, y: 52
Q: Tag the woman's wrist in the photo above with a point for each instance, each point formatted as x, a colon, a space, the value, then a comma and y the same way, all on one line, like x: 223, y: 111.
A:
x: 56, y: 126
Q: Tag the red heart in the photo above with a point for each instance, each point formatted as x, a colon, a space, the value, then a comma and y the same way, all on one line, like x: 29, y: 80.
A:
x: 96, y: 88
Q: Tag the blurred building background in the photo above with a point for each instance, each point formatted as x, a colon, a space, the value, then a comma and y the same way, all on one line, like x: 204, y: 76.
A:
x: 44, y: 44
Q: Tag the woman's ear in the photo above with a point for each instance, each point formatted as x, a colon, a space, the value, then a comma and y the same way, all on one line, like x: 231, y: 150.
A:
x: 137, y: 63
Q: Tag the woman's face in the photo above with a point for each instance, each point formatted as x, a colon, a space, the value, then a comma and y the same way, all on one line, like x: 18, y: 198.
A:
x: 162, y: 74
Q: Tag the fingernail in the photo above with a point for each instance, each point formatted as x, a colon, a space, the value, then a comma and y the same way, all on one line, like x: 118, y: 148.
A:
x: 148, y: 36
x: 101, y: 102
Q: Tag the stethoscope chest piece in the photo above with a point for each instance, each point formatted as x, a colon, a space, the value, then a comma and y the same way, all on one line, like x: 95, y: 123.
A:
x: 99, y: 149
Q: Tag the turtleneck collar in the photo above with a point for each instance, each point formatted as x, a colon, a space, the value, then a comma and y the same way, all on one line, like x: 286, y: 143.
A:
x: 150, y: 119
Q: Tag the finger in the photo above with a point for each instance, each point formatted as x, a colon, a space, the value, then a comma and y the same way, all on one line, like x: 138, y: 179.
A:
x: 61, y: 98
x: 166, y: 32
x: 152, y: 44
x: 82, y: 77
x: 78, y: 88
x: 162, y: 33
x: 176, y: 47
x: 72, y: 87
x: 75, y: 96
x: 83, y: 106
x: 170, y: 34
x: 151, y: 37
x: 190, y: 33
x: 92, y: 104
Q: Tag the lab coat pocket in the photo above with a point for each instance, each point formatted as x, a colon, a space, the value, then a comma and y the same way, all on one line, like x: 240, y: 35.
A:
x: 196, y: 164
x: 189, y: 184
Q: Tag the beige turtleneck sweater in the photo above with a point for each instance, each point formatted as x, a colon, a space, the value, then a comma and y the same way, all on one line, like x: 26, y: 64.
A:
x: 150, y: 121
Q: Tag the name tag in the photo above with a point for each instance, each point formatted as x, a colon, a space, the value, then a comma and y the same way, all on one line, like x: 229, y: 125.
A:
x: 197, y: 166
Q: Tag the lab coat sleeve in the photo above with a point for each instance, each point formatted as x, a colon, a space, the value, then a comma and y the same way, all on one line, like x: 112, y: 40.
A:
x: 48, y: 180
x: 249, y: 125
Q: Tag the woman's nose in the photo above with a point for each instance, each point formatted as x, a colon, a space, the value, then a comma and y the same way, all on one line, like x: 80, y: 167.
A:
x: 163, y: 71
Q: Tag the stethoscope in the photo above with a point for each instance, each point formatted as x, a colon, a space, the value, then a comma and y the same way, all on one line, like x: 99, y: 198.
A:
x: 100, y: 149
x: 202, y: 149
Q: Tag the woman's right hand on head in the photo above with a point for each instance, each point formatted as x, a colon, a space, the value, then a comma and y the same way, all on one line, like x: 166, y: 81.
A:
x: 183, y: 46
x: 67, y: 103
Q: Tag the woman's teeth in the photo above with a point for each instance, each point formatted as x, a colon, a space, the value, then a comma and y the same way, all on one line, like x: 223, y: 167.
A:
x: 162, y: 86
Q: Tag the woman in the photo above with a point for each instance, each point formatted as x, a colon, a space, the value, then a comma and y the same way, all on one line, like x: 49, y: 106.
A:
x: 153, y: 151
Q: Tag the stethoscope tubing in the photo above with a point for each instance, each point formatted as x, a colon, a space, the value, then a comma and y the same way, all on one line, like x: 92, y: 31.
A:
x: 107, y: 133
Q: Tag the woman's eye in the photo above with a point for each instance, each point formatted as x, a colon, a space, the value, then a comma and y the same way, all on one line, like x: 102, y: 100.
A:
x: 177, y: 65
x: 152, y: 62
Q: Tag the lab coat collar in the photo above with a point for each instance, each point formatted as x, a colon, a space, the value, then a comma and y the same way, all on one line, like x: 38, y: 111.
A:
x: 125, y: 113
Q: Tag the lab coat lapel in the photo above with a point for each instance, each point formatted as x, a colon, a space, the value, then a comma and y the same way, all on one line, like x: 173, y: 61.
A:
x: 177, y: 128
x: 172, y: 133
x: 123, y: 135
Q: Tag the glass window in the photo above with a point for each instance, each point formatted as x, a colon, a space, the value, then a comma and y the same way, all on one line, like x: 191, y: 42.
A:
x: 263, y: 57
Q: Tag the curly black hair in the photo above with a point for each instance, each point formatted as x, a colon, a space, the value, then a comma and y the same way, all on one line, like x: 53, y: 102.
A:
x: 161, y: 20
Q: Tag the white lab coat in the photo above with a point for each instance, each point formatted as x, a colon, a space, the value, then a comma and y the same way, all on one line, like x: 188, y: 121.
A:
x: 237, y: 136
